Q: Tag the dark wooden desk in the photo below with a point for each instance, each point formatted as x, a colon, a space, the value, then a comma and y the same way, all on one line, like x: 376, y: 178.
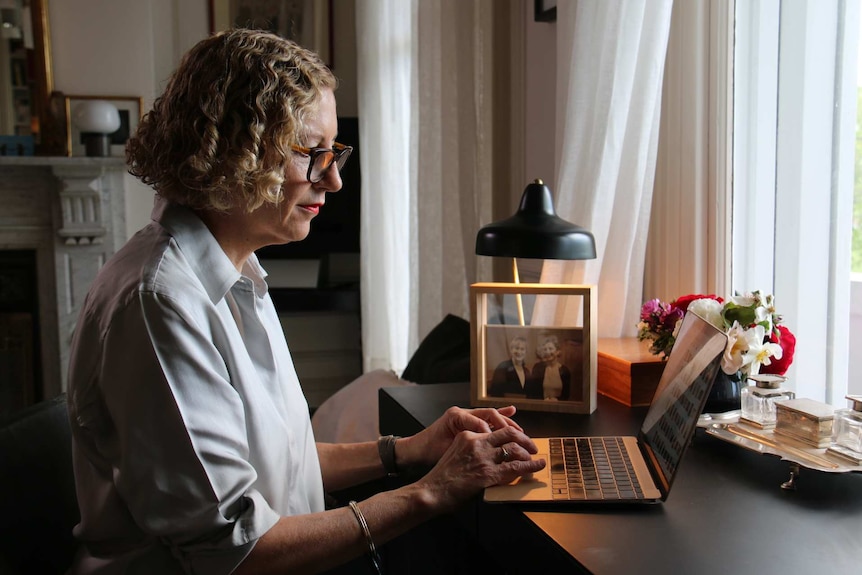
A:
x: 726, y: 512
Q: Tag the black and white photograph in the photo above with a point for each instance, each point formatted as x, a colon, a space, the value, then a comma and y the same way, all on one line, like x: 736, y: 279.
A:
x: 534, y: 363
x: 533, y: 366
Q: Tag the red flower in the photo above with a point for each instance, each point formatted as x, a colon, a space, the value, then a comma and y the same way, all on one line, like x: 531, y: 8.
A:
x: 787, y: 341
x: 683, y: 301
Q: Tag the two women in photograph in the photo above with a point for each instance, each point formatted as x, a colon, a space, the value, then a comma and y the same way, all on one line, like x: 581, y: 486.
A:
x: 547, y: 379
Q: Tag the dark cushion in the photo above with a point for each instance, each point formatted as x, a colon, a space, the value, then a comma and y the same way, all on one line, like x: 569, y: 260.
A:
x: 444, y: 354
x: 38, y: 507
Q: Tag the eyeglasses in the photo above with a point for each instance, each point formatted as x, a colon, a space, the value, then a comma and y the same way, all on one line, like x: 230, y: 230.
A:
x: 321, y: 159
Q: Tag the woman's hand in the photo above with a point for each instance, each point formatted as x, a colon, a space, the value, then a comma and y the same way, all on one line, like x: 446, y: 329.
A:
x: 478, y: 460
x: 428, y: 446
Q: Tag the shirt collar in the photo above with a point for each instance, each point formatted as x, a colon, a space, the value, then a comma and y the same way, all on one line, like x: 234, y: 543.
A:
x: 255, y: 272
x: 206, y: 257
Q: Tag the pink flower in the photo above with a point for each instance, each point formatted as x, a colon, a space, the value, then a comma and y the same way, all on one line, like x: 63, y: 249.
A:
x: 671, y: 318
x: 650, y: 309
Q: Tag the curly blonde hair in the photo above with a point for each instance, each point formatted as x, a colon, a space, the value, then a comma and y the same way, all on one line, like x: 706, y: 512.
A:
x: 219, y: 136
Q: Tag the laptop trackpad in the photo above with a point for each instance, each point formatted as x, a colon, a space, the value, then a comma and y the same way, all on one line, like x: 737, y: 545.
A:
x: 532, y: 487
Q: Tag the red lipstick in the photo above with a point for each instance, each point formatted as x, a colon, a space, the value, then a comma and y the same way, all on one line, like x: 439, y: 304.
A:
x: 313, y: 208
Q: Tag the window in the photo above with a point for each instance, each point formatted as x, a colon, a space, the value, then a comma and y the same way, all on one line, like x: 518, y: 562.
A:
x: 795, y: 100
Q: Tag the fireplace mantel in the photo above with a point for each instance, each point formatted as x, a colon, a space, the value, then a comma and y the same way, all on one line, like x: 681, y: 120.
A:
x: 71, y: 211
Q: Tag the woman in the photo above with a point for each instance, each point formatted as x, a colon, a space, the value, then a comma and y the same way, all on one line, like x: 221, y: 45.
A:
x: 550, y: 379
x: 192, y: 440
x: 510, y: 376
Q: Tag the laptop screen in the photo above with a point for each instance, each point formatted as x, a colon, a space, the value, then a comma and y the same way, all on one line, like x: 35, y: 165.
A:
x: 681, y: 394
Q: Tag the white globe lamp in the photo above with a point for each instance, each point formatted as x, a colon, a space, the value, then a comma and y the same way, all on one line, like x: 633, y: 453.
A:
x: 97, y: 120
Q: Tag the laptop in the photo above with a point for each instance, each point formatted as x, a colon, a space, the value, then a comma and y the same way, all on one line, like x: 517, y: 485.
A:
x: 628, y: 468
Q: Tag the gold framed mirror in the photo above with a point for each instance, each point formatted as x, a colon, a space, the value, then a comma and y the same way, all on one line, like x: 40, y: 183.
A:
x: 28, y: 79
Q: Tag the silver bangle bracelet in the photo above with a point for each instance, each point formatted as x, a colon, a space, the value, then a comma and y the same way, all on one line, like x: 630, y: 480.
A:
x: 372, y: 549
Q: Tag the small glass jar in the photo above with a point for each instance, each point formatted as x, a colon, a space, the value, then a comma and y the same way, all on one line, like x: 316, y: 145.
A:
x: 758, y: 400
x: 847, y: 428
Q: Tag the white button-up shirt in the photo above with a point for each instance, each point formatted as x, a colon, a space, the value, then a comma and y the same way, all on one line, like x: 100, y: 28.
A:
x: 191, y: 432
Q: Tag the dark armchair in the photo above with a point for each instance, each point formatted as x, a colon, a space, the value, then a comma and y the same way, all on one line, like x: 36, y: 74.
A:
x: 38, y: 507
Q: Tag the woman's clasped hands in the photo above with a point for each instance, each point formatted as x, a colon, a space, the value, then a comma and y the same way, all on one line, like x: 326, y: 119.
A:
x: 470, y: 450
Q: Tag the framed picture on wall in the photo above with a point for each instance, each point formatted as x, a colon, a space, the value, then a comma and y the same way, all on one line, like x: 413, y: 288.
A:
x: 545, y: 10
x: 306, y: 22
x: 534, y: 367
x: 130, y: 109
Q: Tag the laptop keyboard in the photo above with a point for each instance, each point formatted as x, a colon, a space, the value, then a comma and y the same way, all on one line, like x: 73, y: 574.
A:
x: 592, y: 468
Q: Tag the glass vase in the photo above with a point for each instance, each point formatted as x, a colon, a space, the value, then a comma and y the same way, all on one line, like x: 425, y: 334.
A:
x: 758, y: 400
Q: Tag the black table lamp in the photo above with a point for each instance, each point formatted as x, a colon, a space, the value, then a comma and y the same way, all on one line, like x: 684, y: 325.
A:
x: 535, y: 231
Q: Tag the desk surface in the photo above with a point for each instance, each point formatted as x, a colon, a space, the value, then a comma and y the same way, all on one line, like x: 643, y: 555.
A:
x: 726, y: 512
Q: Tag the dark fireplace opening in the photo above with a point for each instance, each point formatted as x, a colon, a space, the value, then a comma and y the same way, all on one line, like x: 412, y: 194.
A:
x: 20, y: 357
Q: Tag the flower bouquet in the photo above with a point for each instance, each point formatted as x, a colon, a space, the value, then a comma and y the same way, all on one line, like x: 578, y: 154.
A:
x: 757, y: 341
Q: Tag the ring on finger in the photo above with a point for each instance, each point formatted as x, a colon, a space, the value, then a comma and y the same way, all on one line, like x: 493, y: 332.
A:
x: 505, y: 453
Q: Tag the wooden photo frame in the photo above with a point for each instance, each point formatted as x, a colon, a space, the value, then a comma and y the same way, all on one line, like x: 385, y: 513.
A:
x: 501, y: 338
x: 131, y: 111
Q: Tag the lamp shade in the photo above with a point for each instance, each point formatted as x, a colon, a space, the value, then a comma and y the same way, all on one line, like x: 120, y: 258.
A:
x: 96, y: 116
x: 536, y: 231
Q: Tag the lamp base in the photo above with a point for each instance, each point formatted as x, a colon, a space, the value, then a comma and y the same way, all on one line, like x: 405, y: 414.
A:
x: 96, y: 145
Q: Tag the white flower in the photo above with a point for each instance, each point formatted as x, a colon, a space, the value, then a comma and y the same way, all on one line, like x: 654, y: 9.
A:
x: 762, y: 305
x: 747, y: 299
x: 708, y: 309
x: 734, y: 354
x: 763, y: 316
x: 759, y: 353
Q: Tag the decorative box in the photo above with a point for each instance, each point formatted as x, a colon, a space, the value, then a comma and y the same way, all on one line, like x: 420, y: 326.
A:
x: 806, y: 420
x: 627, y: 371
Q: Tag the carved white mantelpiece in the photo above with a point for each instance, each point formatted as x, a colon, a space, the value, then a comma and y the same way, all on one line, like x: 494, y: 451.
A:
x: 71, y: 211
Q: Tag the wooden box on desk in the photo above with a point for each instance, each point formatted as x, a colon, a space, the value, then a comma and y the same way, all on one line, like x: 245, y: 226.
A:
x: 627, y: 371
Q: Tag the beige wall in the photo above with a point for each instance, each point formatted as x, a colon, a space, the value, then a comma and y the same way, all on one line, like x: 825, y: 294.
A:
x: 122, y: 48
x: 540, y: 78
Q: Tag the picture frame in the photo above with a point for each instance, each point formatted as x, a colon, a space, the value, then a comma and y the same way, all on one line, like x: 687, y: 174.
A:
x: 131, y: 111
x: 498, y: 335
x: 308, y: 23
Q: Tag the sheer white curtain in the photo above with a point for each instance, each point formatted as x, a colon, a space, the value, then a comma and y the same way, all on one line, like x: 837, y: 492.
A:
x: 454, y: 139
x: 385, y: 66
x: 425, y: 135
x: 610, y: 64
